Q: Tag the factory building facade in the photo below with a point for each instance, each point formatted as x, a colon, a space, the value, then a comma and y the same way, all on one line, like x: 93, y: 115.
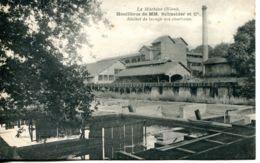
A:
x: 166, y: 47
x: 166, y: 66
x: 104, y: 71
x: 165, y: 60
x: 153, y: 71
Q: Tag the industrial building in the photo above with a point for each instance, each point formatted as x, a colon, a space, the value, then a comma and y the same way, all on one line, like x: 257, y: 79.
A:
x: 153, y: 71
x: 167, y: 66
x: 195, y: 63
x: 166, y: 47
x: 156, y: 62
x: 218, y: 67
x: 164, y: 60
x: 104, y: 71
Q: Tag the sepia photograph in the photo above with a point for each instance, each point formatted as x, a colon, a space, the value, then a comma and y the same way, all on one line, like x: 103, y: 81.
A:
x: 127, y: 80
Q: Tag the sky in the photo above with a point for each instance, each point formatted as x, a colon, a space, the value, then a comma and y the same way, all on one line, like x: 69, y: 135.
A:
x: 126, y: 37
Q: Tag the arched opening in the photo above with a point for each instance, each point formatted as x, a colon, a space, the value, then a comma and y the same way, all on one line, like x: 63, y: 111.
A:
x: 127, y: 90
x: 176, y: 77
x: 147, y: 89
x: 122, y: 91
x: 134, y: 90
x: 116, y: 89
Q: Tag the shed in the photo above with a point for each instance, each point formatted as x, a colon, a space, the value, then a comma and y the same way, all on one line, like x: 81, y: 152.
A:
x: 154, y: 71
x: 218, y: 66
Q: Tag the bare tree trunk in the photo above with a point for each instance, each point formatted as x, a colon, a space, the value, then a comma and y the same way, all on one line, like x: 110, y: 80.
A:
x: 31, y: 129
x: 83, y: 157
x: 19, y: 123
x: 82, y: 135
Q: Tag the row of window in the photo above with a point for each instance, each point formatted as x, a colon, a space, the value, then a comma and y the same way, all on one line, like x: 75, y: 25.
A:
x: 109, y: 77
x: 135, y: 59
x: 194, y: 64
x: 194, y: 56
x: 105, y: 77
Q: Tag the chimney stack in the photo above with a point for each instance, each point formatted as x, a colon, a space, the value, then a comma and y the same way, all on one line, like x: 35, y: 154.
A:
x: 204, y: 36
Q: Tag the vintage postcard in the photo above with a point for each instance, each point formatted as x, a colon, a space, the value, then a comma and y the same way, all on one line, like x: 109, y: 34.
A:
x: 127, y: 80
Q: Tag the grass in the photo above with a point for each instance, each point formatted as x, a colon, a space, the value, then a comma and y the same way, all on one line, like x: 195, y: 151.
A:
x: 169, y: 97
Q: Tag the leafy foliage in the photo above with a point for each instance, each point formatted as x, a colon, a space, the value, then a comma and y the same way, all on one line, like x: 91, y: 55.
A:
x: 242, y: 51
x: 199, y: 49
x: 220, y: 50
x: 242, y: 54
x: 34, y: 35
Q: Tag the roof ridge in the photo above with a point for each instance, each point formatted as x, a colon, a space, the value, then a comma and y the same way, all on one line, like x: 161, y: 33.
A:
x: 145, y: 63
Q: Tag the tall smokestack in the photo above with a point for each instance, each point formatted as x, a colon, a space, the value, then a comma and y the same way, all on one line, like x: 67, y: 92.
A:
x: 204, y: 36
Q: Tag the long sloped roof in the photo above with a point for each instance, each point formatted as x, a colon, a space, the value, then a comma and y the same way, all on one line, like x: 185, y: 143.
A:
x: 153, y: 62
x: 167, y: 68
x: 174, y: 40
x: 121, y: 57
x: 194, y: 53
x: 216, y: 60
x: 145, y: 46
x: 97, y: 67
x: 161, y: 38
x: 191, y: 59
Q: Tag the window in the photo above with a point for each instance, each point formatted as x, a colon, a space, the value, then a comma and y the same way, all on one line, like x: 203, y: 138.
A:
x: 111, y: 77
x: 195, y: 64
x: 100, y: 77
x: 105, y: 77
x: 117, y: 71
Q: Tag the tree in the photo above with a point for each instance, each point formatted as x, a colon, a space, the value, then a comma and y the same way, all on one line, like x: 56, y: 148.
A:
x: 34, y: 35
x: 220, y: 50
x: 199, y: 49
x: 242, y: 55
